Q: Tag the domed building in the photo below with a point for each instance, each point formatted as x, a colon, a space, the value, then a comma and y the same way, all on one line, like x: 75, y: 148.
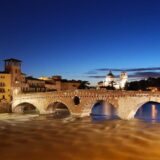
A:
x: 112, y: 81
x: 110, y: 78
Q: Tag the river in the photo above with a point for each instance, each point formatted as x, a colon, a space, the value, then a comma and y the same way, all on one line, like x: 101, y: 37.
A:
x: 37, y: 137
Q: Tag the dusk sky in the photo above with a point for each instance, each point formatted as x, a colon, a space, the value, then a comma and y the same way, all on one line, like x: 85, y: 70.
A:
x: 82, y: 39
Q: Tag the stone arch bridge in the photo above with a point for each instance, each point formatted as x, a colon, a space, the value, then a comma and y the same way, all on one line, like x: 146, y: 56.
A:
x: 80, y: 102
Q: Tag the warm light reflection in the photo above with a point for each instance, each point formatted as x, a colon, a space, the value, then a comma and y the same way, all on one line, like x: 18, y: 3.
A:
x: 103, y: 108
x: 149, y: 111
x: 154, y: 112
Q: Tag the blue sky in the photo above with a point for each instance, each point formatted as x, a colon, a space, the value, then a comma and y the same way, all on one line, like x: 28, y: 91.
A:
x: 72, y: 37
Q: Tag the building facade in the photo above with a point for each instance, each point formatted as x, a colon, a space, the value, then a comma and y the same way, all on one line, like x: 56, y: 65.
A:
x: 13, y: 81
x: 57, y: 83
x: 111, y: 81
x: 5, y: 87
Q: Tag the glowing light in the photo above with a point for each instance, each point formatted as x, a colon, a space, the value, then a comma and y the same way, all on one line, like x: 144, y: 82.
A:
x: 16, y: 91
x: 154, y: 112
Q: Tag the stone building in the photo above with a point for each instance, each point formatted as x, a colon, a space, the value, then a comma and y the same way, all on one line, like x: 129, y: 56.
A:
x: 69, y: 84
x: 5, y: 86
x: 13, y: 81
x: 10, y: 78
x: 112, y: 81
x: 57, y: 83
x: 34, y: 85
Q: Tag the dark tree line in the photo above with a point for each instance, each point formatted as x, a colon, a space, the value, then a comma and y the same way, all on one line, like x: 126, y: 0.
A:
x: 84, y: 85
x: 143, y: 84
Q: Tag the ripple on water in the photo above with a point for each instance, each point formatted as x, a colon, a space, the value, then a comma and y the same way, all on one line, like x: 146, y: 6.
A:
x: 42, y: 137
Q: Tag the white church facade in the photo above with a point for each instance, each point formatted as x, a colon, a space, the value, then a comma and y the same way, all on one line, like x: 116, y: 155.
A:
x: 116, y: 83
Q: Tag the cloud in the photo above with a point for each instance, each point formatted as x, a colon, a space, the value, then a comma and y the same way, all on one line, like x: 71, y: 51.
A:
x: 101, y: 76
x: 109, y: 69
x: 135, y: 75
x: 145, y: 74
x: 97, y: 77
x: 91, y: 72
x: 128, y: 69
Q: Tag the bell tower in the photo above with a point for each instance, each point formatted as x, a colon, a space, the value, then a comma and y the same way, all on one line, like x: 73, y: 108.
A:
x: 123, y: 80
x: 13, y: 66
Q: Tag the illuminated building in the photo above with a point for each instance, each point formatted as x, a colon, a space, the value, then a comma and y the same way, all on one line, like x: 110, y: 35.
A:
x: 113, y: 82
x: 5, y: 87
x: 109, y: 79
x: 57, y: 83
x: 10, y: 79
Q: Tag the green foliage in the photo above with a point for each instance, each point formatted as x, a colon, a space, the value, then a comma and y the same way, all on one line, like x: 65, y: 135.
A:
x: 110, y: 88
x: 84, y: 85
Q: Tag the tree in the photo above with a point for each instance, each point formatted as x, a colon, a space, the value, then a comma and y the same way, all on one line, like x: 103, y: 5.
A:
x: 84, y: 85
x: 110, y: 88
x: 144, y: 84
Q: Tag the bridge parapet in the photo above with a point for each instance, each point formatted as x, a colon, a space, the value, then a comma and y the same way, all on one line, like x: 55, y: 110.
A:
x: 89, y: 93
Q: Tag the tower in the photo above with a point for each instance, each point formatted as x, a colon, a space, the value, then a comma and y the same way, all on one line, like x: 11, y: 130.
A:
x: 123, y: 79
x: 13, y: 67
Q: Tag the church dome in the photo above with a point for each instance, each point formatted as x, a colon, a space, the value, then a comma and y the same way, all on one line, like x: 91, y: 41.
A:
x: 110, y: 74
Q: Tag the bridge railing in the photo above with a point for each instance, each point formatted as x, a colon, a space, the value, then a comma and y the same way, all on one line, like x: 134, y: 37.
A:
x: 89, y: 93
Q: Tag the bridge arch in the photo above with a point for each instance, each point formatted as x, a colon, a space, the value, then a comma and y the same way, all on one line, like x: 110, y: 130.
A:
x: 58, y: 108
x: 146, y: 107
x: 103, y: 108
x: 25, y: 107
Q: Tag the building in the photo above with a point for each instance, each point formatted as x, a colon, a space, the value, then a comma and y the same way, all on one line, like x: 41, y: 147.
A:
x: 5, y: 87
x: 57, y: 83
x: 111, y: 81
x: 123, y: 80
x: 34, y: 85
x: 69, y: 84
x: 10, y: 78
x: 13, y: 81
x: 13, y: 67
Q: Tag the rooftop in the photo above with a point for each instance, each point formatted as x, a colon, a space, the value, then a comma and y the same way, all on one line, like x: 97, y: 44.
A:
x: 3, y: 72
x: 13, y: 60
x: 72, y: 81
x: 110, y: 74
x: 32, y: 78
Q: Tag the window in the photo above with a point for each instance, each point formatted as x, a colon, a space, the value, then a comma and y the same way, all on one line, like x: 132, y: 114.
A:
x: 2, y: 77
x: 2, y: 84
x: 2, y: 90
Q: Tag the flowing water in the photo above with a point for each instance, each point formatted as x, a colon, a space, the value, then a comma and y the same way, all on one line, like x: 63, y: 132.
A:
x: 36, y: 137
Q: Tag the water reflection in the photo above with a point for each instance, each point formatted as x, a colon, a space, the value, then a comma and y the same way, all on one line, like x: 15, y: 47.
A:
x: 149, y: 112
x: 103, y: 118
x: 103, y: 110
x: 26, y: 108
x: 58, y: 110
x: 60, y: 113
